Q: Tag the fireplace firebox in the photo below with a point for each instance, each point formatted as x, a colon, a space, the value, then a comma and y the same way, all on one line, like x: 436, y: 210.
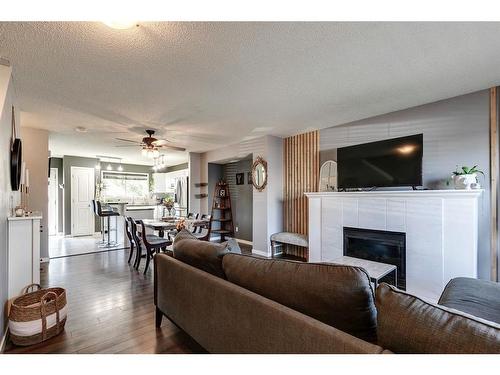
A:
x: 378, y: 246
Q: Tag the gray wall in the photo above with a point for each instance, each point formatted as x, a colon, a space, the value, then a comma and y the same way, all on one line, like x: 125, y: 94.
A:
x: 68, y: 162
x: 241, y: 198
x: 76, y: 161
x: 456, y: 132
x: 215, y: 173
x: 58, y: 163
x: 178, y: 167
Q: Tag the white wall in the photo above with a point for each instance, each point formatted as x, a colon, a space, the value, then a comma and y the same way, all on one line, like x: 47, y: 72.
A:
x: 7, y: 99
x: 456, y: 132
x: 194, y: 178
x: 274, y: 158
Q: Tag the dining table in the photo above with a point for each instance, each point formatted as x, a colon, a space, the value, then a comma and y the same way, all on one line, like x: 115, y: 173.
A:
x: 162, y: 226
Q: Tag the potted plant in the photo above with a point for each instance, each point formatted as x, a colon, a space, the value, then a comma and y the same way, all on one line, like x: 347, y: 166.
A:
x: 466, y: 178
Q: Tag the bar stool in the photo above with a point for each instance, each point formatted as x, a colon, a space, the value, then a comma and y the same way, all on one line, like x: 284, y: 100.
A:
x: 107, y: 214
x: 94, y: 207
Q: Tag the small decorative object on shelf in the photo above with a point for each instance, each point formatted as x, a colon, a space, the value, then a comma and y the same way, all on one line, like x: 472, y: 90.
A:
x: 19, y: 211
x: 466, y: 178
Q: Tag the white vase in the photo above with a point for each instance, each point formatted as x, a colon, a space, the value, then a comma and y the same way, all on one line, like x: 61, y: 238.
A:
x: 465, y: 181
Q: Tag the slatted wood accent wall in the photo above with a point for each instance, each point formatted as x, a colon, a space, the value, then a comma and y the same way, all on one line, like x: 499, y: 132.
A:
x: 301, y: 174
x: 494, y: 123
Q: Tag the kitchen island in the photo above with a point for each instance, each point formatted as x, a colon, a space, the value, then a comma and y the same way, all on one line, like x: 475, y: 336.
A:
x: 136, y: 211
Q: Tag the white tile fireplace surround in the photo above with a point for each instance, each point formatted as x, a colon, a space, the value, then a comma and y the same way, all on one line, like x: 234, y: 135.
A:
x: 441, y: 229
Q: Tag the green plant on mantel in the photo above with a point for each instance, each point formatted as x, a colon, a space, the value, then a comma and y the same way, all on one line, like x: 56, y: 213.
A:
x: 467, y: 170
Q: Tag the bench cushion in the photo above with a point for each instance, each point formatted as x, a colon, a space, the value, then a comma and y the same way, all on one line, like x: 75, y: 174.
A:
x: 340, y: 296
x: 480, y: 298
x: 291, y: 238
x: 408, y: 324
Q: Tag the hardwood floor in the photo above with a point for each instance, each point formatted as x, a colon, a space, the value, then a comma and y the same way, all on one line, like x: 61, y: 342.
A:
x: 111, y: 309
x: 61, y: 246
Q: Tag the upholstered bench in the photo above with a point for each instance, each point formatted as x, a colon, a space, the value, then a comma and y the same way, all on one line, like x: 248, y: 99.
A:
x: 480, y: 298
x: 288, y: 238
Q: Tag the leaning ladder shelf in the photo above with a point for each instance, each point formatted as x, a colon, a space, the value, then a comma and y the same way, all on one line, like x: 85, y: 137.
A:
x: 221, y: 219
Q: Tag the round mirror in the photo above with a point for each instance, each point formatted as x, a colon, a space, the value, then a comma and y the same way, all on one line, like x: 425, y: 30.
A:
x: 328, y: 176
x: 259, y: 173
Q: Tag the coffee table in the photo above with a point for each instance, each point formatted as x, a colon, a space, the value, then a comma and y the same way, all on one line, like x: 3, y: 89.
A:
x: 375, y: 270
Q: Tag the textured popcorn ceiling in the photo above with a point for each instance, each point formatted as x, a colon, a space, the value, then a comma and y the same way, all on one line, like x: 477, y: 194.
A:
x: 206, y: 85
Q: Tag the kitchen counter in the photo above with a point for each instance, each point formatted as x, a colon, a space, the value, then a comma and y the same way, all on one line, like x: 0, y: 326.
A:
x: 135, y: 211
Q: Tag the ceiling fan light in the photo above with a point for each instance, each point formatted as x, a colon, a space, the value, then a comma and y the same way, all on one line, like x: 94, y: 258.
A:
x: 144, y: 152
x: 121, y: 24
x: 156, y: 153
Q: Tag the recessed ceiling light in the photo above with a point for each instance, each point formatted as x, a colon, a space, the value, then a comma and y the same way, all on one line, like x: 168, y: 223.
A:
x: 121, y: 25
x: 81, y: 129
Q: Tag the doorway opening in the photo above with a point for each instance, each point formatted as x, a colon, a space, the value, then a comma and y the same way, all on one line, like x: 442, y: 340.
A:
x: 237, y: 174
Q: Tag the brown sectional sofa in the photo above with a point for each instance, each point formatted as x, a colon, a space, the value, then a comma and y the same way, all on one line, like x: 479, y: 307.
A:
x: 244, y: 304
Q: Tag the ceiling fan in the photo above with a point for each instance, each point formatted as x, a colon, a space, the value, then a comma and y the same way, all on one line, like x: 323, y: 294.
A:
x: 150, y: 145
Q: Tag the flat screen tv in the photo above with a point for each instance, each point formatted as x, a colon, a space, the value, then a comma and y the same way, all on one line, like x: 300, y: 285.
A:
x: 390, y: 163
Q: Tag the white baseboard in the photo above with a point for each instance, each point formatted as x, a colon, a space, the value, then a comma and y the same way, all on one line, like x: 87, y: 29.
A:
x: 261, y: 253
x: 44, y: 260
x: 3, y: 343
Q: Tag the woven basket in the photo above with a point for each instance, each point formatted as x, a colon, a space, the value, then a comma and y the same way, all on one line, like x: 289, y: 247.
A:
x: 37, y: 316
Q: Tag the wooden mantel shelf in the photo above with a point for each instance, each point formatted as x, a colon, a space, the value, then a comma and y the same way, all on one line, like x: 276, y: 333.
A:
x: 401, y: 193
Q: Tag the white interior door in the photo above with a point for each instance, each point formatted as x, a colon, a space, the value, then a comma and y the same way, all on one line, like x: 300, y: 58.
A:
x: 82, y: 193
x: 53, y: 203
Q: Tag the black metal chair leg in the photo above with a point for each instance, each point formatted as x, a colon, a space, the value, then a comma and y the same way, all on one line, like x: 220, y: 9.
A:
x: 138, y: 256
x: 131, y: 252
x: 148, y: 259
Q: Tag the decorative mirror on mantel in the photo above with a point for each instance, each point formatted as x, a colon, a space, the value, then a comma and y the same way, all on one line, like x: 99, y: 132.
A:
x: 328, y: 176
x: 259, y: 173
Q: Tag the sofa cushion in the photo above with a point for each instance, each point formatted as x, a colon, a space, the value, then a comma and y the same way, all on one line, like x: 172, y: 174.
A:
x: 408, y: 324
x: 204, y: 255
x: 339, y: 296
x: 480, y: 298
x: 184, y: 234
x: 232, y: 246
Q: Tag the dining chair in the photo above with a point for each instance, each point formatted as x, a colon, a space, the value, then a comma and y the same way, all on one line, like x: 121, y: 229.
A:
x: 137, y: 240
x: 152, y: 243
x: 202, y: 231
x: 128, y: 231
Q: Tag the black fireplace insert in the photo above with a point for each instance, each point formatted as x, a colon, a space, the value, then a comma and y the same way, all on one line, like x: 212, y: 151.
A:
x: 378, y: 246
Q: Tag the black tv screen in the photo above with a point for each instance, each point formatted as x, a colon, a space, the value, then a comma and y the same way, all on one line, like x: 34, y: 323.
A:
x: 390, y: 163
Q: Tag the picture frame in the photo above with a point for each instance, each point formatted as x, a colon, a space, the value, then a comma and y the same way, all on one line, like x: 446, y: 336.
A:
x: 240, y: 178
